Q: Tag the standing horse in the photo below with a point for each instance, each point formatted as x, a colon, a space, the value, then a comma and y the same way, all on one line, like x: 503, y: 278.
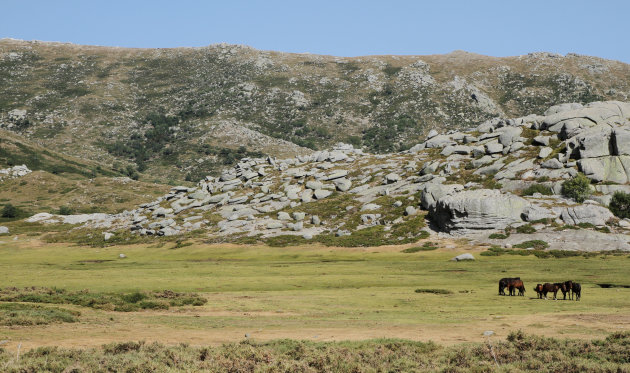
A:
x: 568, y: 288
x: 505, y: 282
x: 539, y: 290
x: 516, y: 284
x: 577, y: 289
x: 550, y: 288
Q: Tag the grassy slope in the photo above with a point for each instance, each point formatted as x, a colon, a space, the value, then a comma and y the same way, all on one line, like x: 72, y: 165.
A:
x: 41, y: 191
x: 61, y: 180
x: 300, y: 292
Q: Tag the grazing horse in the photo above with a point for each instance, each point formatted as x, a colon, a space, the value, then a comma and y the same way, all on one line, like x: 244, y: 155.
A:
x: 577, y: 290
x: 516, y: 284
x: 539, y: 290
x: 505, y: 282
x: 550, y: 288
x: 568, y: 288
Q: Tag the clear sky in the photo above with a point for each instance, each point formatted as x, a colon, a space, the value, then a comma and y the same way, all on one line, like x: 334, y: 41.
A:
x: 344, y: 28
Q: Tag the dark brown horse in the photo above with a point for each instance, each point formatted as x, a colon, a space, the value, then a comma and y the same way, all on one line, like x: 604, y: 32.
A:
x: 516, y: 284
x: 567, y: 287
x: 539, y: 290
x: 505, y: 282
x: 551, y: 288
x: 577, y: 290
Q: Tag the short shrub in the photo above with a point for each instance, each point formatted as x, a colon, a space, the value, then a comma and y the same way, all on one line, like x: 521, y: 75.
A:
x: 494, y: 251
x: 427, y: 246
x: 498, y: 236
x: 133, y: 297
x: 65, y: 210
x: 152, y: 305
x: 537, y: 188
x: 527, y: 229
x: 578, y: 188
x: 620, y: 205
x: 535, y: 244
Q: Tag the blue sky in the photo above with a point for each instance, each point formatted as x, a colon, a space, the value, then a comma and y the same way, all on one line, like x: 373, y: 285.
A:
x: 344, y: 28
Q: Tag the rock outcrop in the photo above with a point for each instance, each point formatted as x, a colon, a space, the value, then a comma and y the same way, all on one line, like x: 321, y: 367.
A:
x: 478, y: 209
x: 14, y: 172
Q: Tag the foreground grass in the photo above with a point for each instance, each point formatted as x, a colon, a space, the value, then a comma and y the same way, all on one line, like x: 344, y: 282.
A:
x: 519, y: 352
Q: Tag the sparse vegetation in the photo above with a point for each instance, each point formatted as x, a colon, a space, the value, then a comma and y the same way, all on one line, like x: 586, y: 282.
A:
x: 433, y: 291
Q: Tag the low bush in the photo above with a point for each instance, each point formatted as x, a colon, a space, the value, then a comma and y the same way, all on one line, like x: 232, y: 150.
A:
x: 498, y: 236
x: 427, y: 246
x: 537, y: 188
x: 532, y: 244
x: 526, y: 229
x: 620, y: 205
x: 65, y: 210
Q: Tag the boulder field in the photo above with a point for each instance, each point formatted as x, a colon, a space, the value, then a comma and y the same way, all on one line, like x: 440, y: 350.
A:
x: 479, y: 180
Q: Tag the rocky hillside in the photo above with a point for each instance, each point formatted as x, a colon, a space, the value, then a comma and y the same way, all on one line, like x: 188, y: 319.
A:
x: 505, y: 175
x: 186, y: 112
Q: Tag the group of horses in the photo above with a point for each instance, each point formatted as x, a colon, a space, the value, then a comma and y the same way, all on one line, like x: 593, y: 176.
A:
x: 512, y: 284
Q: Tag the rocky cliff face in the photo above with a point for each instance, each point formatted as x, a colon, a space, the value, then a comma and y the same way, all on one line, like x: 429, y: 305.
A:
x: 197, y: 106
x: 502, y: 175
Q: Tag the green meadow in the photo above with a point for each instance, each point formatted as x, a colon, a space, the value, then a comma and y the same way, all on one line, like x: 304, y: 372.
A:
x: 316, y: 287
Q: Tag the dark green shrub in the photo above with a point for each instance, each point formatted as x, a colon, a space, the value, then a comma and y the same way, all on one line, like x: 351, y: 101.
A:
x: 9, y: 211
x: 537, y: 188
x: 578, y: 188
x: 65, y: 210
x: 620, y: 205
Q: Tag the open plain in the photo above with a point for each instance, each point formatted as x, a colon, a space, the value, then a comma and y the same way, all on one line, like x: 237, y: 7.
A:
x: 313, y: 293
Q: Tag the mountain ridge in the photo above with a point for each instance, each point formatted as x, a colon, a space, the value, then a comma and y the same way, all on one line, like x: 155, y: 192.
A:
x: 103, y: 102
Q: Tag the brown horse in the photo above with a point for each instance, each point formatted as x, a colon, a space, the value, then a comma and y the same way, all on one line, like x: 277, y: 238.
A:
x: 516, y: 284
x: 567, y: 287
x: 550, y: 288
x: 539, y: 290
x: 505, y: 282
